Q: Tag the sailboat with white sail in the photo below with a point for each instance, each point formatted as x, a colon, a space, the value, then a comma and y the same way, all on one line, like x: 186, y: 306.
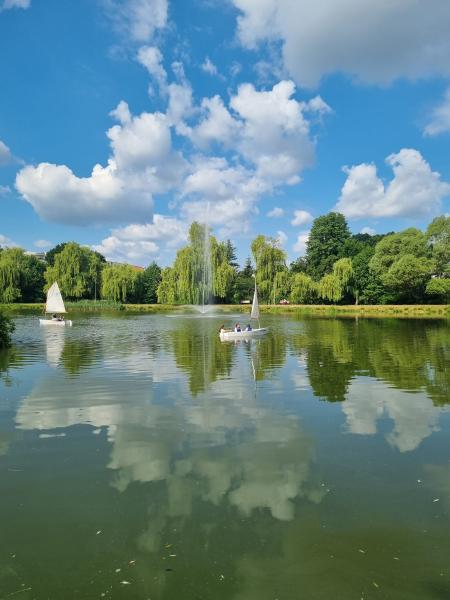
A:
x: 226, y: 335
x: 55, y: 307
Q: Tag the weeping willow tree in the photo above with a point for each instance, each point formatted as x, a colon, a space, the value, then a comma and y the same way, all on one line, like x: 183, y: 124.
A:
x: 166, y: 292
x: 330, y: 288
x: 77, y: 270
x: 304, y: 289
x: 271, y: 270
x: 343, y: 270
x: 333, y: 286
x: 119, y: 282
x: 200, y: 273
x: 21, y: 276
x: 10, y: 270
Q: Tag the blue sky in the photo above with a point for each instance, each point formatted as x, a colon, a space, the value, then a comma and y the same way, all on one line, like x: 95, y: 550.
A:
x: 121, y: 121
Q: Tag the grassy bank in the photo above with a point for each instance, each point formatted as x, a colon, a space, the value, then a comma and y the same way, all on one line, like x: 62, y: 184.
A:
x: 394, y: 310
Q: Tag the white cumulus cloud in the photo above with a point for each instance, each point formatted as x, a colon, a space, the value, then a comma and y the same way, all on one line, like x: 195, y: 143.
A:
x: 141, y: 243
x: 216, y: 124
x: 138, y: 19
x: 221, y: 194
x: 440, y: 117
x: 276, y: 212
x: 269, y: 132
x: 300, y: 244
x: 414, y: 191
x: 275, y: 134
x: 142, y: 163
x: 376, y: 42
x: 151, y: 58
x: 301, y: 217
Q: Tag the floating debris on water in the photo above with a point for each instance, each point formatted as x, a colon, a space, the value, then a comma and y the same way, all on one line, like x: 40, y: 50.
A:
x: 436, y: 500
x: 124, y: 582
x: 362, y: 551
x: 98, y: 532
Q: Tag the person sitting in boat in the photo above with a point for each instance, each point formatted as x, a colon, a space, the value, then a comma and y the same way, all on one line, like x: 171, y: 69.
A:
x: 248, y: 328
x: 237, y: 328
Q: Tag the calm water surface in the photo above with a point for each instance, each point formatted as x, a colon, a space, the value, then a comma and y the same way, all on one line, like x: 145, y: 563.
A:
x: 141, y: 458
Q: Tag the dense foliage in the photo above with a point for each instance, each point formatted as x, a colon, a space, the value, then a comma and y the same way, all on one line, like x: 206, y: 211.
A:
x: 21, y: 276
x: 409, y: 266
x: 119, y: 282
x: 204, y: 271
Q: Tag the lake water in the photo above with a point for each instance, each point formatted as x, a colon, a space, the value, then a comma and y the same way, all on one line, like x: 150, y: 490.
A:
x: 141, y: 458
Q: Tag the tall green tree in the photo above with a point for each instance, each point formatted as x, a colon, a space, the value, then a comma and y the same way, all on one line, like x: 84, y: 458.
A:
x: 298, y: 265
x: 50, y: 254
x: 438, y: 236
x: 408, y: 277
x: 230, y: 251
x: 76, y: 269
x: 402, y: 261
x: 21, y: 276
x: 118, y: 282
x: 270, y: 260
x: 303, y: 289
x: 167, y: 289
x: 325, y: 244
x: 201, y: 271
x: 244, y: 284
x: 333, y: 286
x: 330, y: 288
x: 150, y: 280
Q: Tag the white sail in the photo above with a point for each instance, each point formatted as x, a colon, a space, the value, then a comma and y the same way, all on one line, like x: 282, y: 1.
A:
x: 255, y: 306
x: 55, y: 302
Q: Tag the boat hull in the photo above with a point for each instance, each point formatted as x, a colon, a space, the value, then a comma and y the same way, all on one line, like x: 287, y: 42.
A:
x: 228, y: 336
x: 65, y: 323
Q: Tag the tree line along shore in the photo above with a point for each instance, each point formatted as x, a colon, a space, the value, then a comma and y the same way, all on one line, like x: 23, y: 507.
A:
x: 339, y: 269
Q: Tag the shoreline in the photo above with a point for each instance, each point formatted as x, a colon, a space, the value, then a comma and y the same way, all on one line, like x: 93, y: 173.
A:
x: 321, y: 310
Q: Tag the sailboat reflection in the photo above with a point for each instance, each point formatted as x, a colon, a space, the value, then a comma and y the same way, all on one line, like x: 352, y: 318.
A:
x: 54, y: 338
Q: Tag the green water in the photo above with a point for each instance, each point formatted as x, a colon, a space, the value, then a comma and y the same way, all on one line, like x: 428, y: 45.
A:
x: 141, y: 458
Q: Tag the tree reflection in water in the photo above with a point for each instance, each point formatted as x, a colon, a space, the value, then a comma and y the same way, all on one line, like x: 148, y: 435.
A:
x: 203, y: 452
x: 408, y: 354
